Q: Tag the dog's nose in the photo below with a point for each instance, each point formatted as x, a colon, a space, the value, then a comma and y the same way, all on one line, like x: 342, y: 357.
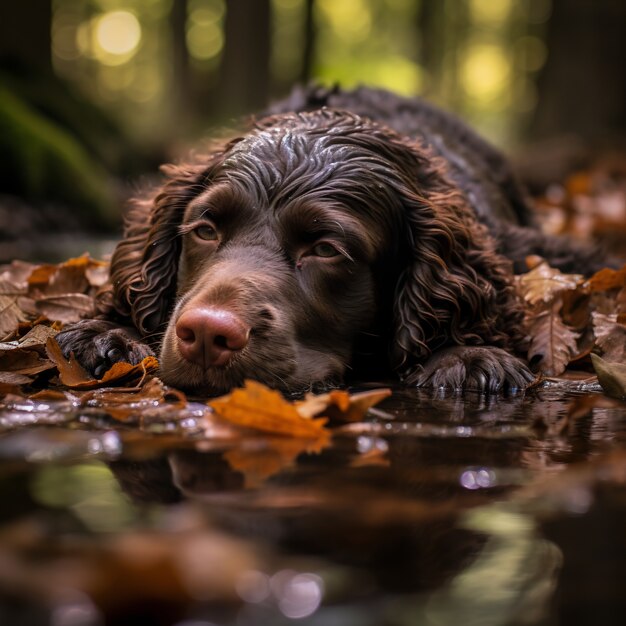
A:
x: 210, y: 336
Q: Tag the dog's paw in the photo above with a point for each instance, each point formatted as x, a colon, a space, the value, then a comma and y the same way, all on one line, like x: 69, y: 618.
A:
x: 97, y: 345
x: 473, y: 367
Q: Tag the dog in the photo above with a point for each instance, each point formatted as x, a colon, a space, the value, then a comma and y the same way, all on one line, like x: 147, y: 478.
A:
x: 341, y: 235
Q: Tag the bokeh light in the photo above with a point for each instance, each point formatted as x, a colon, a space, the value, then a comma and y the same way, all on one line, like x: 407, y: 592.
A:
x: 118, y: 33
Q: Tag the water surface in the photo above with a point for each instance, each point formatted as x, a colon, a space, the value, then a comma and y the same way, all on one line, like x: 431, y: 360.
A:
x: 438, y: 509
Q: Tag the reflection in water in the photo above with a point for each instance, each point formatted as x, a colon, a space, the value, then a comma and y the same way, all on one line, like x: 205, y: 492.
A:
x: 438, y: 510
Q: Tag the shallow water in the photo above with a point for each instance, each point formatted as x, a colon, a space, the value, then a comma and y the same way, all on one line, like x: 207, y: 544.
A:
x: 438, y: 509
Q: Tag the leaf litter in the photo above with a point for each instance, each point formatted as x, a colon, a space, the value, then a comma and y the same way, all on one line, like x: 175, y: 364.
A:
x: 568, y: 318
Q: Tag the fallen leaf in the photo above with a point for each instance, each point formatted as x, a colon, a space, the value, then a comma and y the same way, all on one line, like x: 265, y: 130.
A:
x: 606, y: 279
x: 611, y: 376
x: 258, y: 407
x: 153, y: 391
x: 340, y: 406
x: 74, y: 376
x: 16, y: 272
x: 27, y: 362
x: 69, y: 277
x: 66, y: 308
x: 551, y: 342
x: 127, y: 373
x: 11, y: 313
x: 610, y: 336
x: 543, y: 283
x: 14, y: 378
x: 7, y: 389
x: 71, y: 372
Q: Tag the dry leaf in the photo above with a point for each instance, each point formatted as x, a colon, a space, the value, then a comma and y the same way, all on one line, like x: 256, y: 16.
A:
x: 543, y: 283
x: 610, y: 336
x: 66, y: 278
x: 11, y: 313
x: 66, y: 308
x: 552, y: 341
x: 14, y: 378
x: 606, y: 279
x: 340, y: 405
x: 258, y: 407
x: 611, y: 376
x: 72, y: 374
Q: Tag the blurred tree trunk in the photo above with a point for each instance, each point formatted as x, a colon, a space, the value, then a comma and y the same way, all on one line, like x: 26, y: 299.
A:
x: 244, y: 75
x: 309, y: 44
x: 430, y: 30
x: 582, y: 89
x: 181, y: 79
x: 25, y: 32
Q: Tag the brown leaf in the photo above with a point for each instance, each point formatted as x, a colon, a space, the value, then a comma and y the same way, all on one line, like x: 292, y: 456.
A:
x: 258, y: 407
x: 17, y: 273
x: 71, y: 373
x: 34, y: 339
x: 98, y: 273
x: 67, y: 307
x: 7, y: 388
x: 611, y: 376
x: 14, y: 379
x: 610, y: 336
x: 340, y: 405
x: 153, y: 391
x: 606, y: 279
x: 69, y: 277
x: 125, y: 373
x: 543, y: 283
x: 552, y: 341
x: 26, y: 362
x: 11, y: 314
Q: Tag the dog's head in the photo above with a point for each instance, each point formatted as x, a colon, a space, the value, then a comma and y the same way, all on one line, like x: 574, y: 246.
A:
x: 289, y: 250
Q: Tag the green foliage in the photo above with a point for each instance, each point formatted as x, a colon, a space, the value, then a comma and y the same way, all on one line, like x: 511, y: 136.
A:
x: 43, y: 161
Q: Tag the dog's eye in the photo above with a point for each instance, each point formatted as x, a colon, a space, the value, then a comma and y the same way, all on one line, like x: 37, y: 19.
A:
x: 206, y: 232
x: 325, y: 250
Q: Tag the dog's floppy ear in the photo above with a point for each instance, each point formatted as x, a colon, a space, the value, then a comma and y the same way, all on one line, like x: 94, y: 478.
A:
x: 454, y: 288
x: 144, y: 266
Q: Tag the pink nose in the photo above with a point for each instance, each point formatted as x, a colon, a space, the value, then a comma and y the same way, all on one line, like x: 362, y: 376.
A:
x: 209, y: 336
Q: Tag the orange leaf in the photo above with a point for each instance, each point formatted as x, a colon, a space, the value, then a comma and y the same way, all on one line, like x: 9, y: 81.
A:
x: 71, y: 373
x: 256, y: 406
x: 606, y: 279
x: 260, y: 463
x: 340, y: 405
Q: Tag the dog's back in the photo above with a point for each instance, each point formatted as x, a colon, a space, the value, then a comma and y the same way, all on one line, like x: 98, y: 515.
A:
x: 474, y: 165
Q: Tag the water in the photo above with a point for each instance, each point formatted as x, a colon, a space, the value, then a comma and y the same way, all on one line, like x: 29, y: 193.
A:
x: 438, y: 509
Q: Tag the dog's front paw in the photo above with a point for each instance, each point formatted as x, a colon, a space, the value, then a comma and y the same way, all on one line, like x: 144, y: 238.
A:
x: 98, y: 344
x: 473, y: 367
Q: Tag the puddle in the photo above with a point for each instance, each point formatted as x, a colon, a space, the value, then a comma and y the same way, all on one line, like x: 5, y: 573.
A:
x: 436, y: 510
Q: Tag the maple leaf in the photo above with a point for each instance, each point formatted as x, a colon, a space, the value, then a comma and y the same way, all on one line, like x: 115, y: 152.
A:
x: 11, y: 314
x: 551, y: 340
x: 258, y: 407
x: 543, y: 283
